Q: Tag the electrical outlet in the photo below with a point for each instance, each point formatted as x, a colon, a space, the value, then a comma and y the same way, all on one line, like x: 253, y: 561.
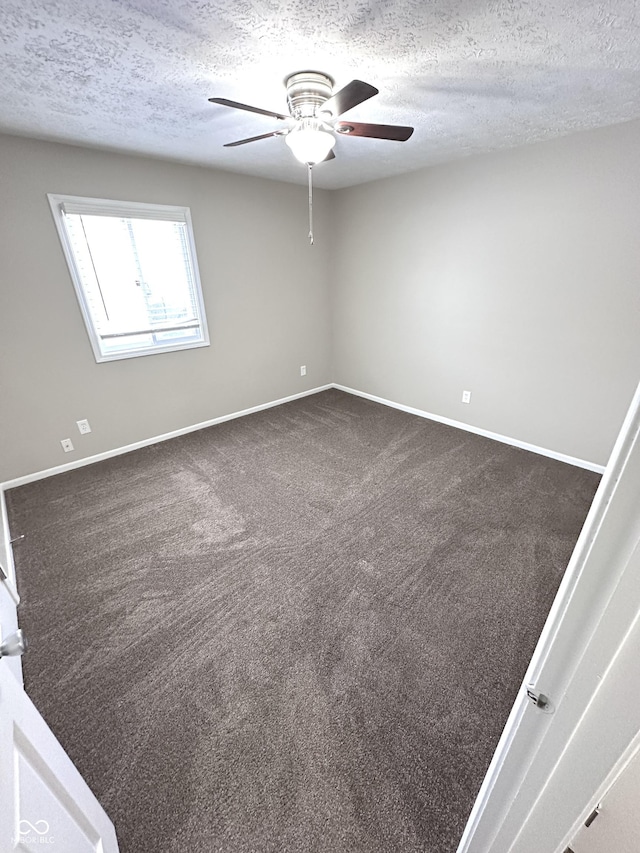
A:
x: 466, y: 396
x: 67, y: 445
x: 83, y: 427
x: 303, y: 370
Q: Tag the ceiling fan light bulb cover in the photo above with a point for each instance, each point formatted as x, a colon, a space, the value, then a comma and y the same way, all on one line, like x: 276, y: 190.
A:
x: 310, y: 145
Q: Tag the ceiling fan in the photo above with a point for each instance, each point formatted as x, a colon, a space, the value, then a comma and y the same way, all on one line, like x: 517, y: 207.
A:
x: 314, y: 111
x: 312, y: 123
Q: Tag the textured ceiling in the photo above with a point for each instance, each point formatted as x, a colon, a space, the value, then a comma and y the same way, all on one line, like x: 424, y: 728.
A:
x: 470, y: 76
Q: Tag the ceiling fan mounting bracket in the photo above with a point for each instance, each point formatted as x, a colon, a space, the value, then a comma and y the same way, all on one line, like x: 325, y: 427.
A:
x: 306, y: 92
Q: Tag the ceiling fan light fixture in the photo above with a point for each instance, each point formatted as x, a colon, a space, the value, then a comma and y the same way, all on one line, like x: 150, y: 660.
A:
x: 309, y: 143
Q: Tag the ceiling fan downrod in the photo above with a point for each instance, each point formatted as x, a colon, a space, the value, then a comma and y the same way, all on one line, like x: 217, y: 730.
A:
x: 310, y: 167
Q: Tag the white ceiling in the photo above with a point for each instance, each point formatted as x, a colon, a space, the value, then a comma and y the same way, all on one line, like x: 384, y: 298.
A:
x: 469, y: 75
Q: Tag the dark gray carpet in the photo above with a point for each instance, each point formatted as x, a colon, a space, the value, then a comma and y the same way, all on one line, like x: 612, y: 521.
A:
x: 298, y: 631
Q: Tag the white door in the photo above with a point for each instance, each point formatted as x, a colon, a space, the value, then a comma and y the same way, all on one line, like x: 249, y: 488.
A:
x: 43, y: 798
x: 616, y: 826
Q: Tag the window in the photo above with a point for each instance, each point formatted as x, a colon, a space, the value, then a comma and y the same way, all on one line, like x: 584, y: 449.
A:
x: 135, y: 273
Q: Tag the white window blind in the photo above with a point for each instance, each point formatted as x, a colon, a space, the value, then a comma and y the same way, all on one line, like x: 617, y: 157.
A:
x: 135, y: 273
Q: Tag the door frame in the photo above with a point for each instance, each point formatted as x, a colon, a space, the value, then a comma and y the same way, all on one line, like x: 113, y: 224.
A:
x: 9, y: 598
x: 6, y: 551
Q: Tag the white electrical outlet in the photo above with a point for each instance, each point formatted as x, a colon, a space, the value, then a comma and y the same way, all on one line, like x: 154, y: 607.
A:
x: 466, y: 396
x: 67, y: 445
x: 303, y: 370
x: 83, y: 426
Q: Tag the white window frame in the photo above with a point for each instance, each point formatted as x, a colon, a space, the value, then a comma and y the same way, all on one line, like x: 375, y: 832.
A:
x: 134, y: 210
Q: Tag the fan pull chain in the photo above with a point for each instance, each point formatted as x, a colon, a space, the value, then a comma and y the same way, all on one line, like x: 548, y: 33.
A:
x: 310, y: 206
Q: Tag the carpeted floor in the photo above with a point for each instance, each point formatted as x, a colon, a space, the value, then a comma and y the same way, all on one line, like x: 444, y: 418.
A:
x: 298, y: 631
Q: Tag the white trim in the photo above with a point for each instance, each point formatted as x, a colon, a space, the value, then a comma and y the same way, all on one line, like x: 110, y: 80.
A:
x: 70, y: 204
x: 505, y: 439
x: 145, y: 442
x: 495, y: 768
x: 62, y: 204
x: 107, y: 454
x: 9, y: 568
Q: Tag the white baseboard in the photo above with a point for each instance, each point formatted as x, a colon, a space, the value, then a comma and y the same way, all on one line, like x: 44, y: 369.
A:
x: 505, y: 439
x: 118, y: 451
x: 107, y: 454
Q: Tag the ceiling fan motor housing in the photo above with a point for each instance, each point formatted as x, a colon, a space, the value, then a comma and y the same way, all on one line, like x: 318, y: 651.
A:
x: 306, y: 92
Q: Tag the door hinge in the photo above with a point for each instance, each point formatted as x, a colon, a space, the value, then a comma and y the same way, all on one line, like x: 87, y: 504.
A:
x: 542, y: 702
x: 15, y: 645
x: 594, y: 814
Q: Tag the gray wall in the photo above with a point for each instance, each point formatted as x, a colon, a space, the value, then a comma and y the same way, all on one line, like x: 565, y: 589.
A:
x: 514, y: 275
x: 264, y: 289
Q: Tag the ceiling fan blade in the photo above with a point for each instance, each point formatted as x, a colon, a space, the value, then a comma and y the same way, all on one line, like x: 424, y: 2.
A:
x: 330, y: 156
x: 255, y: 138
x: 396, y: 132
x: 346, y: 99
x: 236, y: 106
